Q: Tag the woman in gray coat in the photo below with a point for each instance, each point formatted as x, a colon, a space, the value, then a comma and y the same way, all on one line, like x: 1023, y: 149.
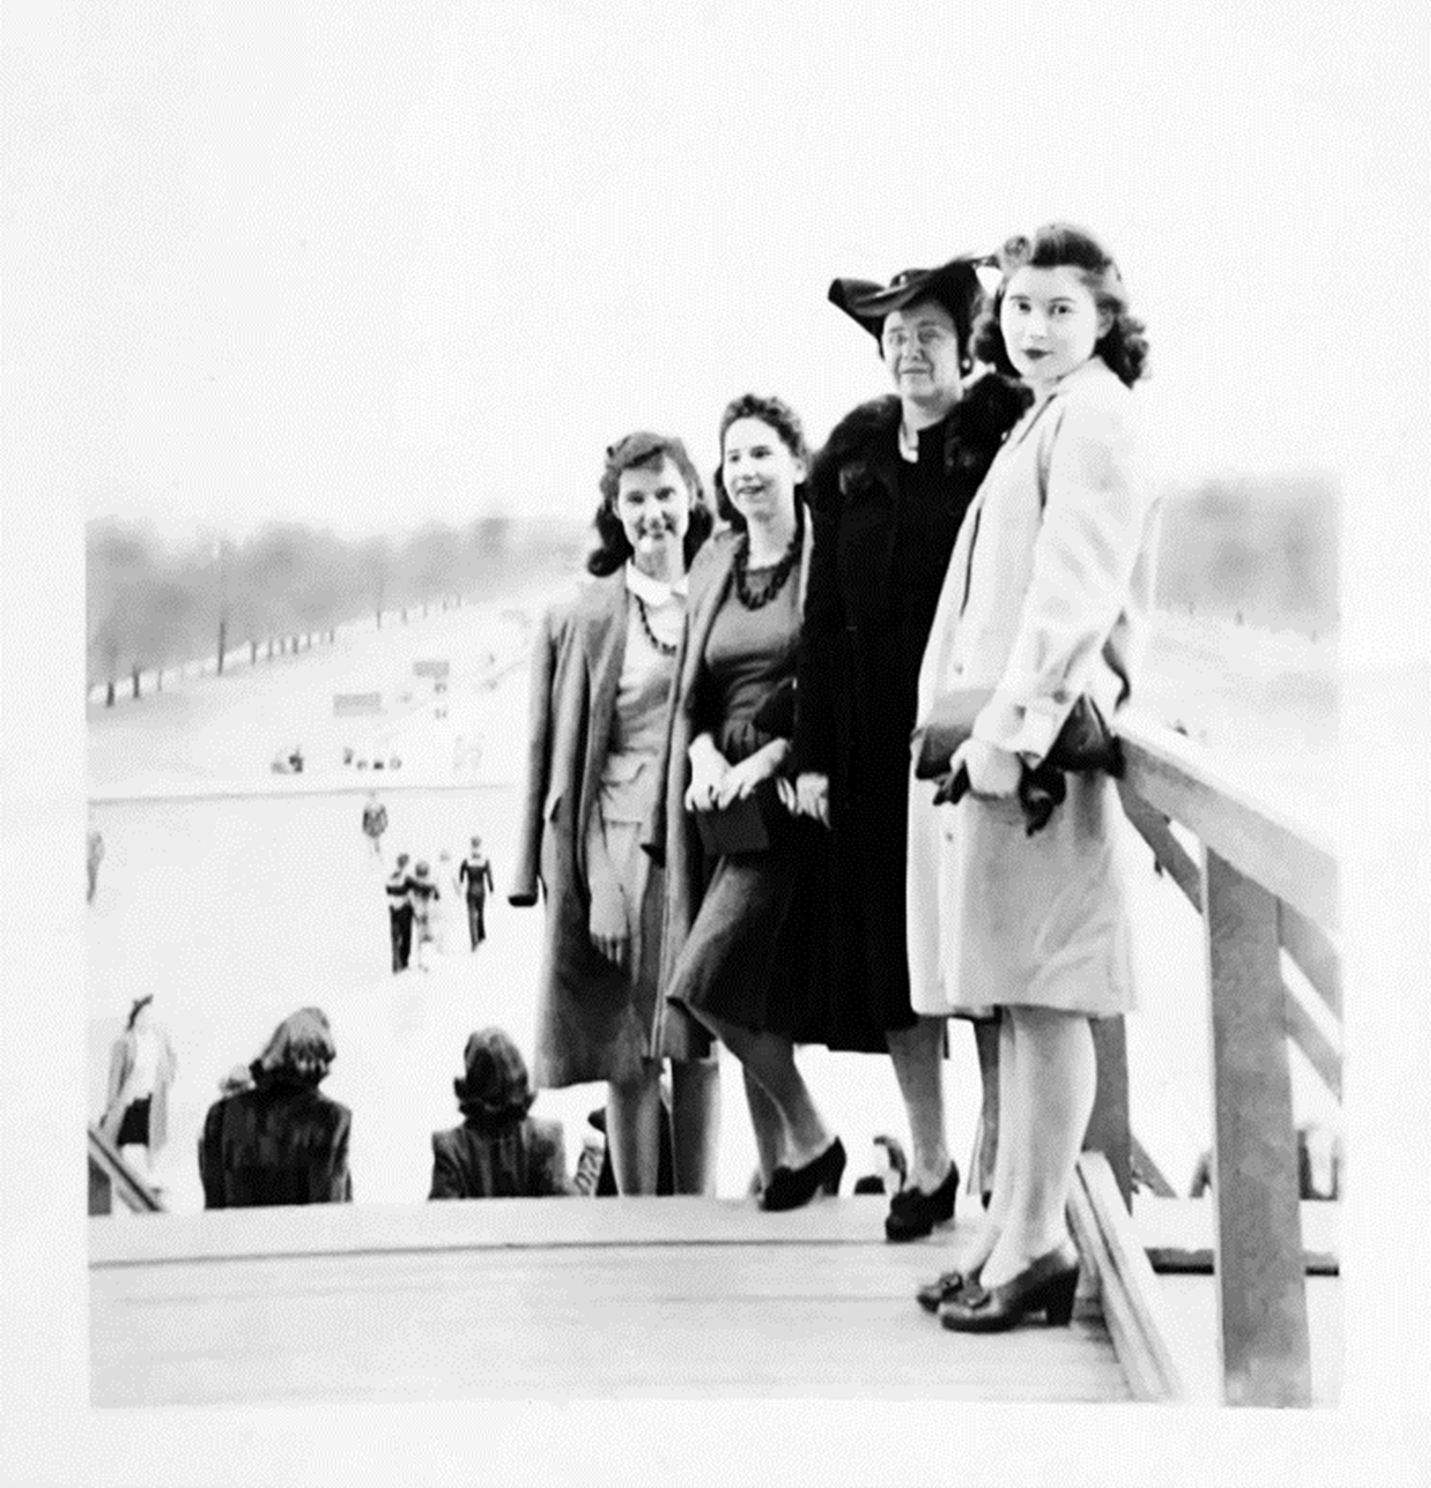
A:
x: 601, y: 677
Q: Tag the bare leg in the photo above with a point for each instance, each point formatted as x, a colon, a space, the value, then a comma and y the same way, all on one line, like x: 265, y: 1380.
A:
x: 769, y: 1127
x: 1055, y: 1078
x: 695, y: 1123
x: 918, y: 1055
x: 770, y: 1059
x: 1005, y: 1079
x: 633, y: 1114
x: 988, y: 1041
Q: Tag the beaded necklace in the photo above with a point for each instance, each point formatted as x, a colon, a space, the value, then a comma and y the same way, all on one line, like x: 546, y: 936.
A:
x: 774, y: 581
x: 664, y: 648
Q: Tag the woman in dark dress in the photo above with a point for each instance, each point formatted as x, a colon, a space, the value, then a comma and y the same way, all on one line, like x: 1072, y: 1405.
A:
x: 889, y: 491
x: 737, y: 945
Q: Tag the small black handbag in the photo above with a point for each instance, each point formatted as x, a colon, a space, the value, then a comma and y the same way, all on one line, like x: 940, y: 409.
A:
x: 747, y: 825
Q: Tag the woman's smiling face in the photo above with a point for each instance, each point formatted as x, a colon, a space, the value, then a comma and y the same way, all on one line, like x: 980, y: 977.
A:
x: 1050, y: 322
x: 653, y: 505
x: 758, y: 470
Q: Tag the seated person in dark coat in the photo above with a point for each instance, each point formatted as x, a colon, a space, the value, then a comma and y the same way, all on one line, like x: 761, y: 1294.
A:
x: 499, y: 1151
x: 280, y: 1141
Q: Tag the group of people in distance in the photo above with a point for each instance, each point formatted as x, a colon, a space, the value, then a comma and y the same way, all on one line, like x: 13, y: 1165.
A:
x: 730, y: 824
x: 415, y: 903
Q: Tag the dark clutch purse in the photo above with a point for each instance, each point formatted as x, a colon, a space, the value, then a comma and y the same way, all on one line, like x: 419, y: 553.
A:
x: 745, y: 826
x: 1084, y: 743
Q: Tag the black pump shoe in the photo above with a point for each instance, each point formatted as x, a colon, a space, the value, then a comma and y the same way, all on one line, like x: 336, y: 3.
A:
x: 1046, y: 1286
x: 913, y: 1213
x: 790, y: 1188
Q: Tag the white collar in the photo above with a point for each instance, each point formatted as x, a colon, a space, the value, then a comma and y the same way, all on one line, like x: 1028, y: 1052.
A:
x: 652, y: 591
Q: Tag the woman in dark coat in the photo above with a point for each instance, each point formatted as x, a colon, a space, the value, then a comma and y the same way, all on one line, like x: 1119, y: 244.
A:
x: 500, y: 1151
x: 601, y: 677
x: 280, y: 1141
x: 889, y: 491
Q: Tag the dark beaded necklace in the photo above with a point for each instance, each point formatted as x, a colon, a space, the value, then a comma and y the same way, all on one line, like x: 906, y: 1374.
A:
x: 774, y: 580
x: 665, y: 648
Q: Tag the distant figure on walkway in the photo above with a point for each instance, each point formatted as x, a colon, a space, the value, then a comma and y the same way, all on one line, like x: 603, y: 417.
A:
x: 93, y: 858
x: 141, y: 1070
x: 399, y: 892
x: 375, y: 822
x: 280, y: 1141
x: 499, y: 1151
x: 476, y: 874
x: 423, y: 892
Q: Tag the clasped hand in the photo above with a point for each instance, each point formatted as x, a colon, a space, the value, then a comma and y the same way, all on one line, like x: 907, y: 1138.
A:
x: 993, y: 773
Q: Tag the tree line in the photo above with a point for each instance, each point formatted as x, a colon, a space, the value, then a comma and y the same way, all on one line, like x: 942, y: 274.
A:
x: 152, y: 607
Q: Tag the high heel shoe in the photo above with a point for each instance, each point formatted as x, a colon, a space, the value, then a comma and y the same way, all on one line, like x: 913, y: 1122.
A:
x: 790, y: 1188
x: 1046, y: 1286
x: 914, y: 1213
x: 944, y: 1288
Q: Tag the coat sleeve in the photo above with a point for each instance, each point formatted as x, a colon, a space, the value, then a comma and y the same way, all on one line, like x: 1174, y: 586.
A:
x: 821, y: 626
x: 334, y: 1184
x: 446, y: 1180
x: 527, y: 873
x: 211, y: 1158
x: 551, y: 1179
x: 1095, y: 522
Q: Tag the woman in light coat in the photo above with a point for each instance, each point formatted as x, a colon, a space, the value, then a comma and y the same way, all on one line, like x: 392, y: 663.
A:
x: 141, y: 1070
x: 1046, y: 601
x: 601, y: 677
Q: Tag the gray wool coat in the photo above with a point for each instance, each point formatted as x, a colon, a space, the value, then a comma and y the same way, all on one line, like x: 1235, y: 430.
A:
x: 595, y: 1021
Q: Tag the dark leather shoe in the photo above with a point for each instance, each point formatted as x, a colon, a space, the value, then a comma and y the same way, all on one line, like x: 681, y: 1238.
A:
x: 1047, y: 1286
x: 933, y: 1294
x: 914, y: 1213
x: 791, y: 1188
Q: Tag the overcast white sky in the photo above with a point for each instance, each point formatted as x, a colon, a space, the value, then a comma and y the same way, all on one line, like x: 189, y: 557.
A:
x: 367, y: 264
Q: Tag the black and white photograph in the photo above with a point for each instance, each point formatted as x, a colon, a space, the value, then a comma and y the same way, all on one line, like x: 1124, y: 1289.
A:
x: 748, y: 681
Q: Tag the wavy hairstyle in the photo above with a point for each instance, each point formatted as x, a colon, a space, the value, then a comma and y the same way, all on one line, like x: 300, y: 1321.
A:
x: 644, y: 450
x: 1123, y: 346
x: 786, y: 422
x: 301, y: 1049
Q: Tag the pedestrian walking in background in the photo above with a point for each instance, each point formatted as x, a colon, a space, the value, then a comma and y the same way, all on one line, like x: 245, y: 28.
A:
x: 425, y: 894
x: 375, y: 822
x: 93, y: 858
x: 475, y: 875
x: 399, y: 892
x: 141, y: 1070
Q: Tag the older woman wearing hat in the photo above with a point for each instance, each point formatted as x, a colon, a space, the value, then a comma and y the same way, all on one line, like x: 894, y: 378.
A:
x: 889, y: 491
x: 280, y: 1141
x: 602, y: 672
x: 500, y: 1151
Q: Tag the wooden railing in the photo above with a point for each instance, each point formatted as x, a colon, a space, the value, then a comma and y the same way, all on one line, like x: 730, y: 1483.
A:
x: 1266, y: 886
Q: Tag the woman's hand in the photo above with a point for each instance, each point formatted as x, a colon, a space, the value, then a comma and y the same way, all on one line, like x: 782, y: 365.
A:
x: 994, y: 773
x: 708, y: 768
x: 740, y: 780
x: 606, y: 923
x: 810, y: 795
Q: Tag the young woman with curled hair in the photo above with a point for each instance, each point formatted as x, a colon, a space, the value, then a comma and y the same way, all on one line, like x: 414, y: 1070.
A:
x: 601, y: 679
x: 738, y: 947
x: 1045, y: 604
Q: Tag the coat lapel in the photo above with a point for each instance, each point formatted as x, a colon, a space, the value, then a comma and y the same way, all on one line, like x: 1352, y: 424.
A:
x: 604, y: 642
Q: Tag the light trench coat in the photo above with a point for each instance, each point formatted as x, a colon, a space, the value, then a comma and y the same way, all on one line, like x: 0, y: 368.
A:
x: 1047, y: 597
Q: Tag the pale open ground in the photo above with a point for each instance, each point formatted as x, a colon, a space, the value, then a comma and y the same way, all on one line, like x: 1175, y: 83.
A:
x: 235, y: 907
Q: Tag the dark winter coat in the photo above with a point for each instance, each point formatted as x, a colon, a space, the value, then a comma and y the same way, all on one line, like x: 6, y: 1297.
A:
x: 521, y: 1159
x: 281, y: 1142
x: 864, y: 633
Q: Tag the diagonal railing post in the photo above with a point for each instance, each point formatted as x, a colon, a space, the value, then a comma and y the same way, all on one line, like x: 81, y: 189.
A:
x: 1261, y: 1289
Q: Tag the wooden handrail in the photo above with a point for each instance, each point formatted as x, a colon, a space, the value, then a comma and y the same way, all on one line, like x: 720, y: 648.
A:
x: 1290, y: 858
x: 128, y: 1186
x: 1267, y: 884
